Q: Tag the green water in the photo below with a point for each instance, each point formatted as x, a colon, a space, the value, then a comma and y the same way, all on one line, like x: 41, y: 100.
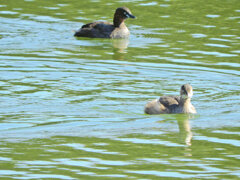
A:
x: 72, y: 108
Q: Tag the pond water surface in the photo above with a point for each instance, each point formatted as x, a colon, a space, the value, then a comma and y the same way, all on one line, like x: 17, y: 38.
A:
x: 72, y: 108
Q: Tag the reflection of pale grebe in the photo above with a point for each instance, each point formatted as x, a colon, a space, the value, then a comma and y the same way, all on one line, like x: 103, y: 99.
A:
x: 107, y: 30
x: 172, y: 104
x: 185, y: 133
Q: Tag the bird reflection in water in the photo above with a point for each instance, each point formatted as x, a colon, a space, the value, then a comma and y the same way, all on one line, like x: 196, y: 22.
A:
x: 185, y: 132
x: 119, y: 48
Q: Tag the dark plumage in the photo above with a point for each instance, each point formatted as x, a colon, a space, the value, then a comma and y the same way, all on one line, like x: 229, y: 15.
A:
x: 172, y: 104
x: 107, y: 30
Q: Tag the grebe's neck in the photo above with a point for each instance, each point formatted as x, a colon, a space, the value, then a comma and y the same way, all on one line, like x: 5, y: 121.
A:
x: 118, y: 21
x: 186, y: 105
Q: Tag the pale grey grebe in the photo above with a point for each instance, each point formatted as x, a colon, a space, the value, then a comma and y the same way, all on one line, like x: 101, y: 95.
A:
x: 172, y: 104
x: 107, y: 30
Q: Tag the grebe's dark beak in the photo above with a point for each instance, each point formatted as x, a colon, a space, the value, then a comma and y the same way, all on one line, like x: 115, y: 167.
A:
x: 128, y: 15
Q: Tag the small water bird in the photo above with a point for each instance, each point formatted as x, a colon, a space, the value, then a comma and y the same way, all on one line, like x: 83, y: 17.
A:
x: 101, y: 29
x: 173, y: 104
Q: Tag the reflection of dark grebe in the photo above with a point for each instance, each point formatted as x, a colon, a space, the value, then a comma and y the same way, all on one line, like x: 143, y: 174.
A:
x: 107, y: 30
x: 172, y: 104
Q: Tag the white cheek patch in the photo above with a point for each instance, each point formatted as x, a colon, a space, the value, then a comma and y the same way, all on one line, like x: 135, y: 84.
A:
x: 190, y: 94
x: 126, y: 14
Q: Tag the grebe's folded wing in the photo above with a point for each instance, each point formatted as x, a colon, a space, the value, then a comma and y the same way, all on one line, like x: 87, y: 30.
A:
x: 168, y: 101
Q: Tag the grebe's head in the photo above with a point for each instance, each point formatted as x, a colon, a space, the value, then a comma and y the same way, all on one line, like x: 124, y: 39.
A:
x: 186, y: 91
x: 124, y: 12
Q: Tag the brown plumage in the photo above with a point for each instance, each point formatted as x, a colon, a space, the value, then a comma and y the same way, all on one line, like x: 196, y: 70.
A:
x: 107, y: 30
x: 172, y: 104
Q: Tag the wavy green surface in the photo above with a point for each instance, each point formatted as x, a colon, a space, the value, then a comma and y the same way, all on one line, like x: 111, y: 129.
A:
x: 72, y: 108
